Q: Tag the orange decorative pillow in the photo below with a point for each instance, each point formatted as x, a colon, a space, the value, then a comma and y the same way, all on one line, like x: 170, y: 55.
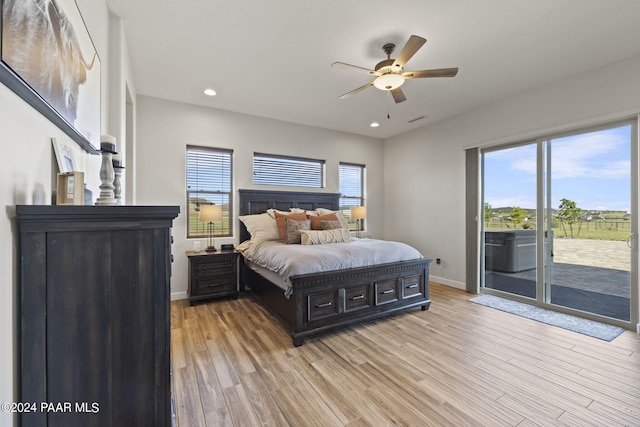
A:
x: 315, y: 220
x: 282, y: 224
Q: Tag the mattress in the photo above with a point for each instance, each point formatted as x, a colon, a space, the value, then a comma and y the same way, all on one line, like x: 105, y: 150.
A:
x: 279, y: 262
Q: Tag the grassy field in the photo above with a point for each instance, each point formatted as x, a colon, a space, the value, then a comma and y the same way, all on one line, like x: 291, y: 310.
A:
x: 596, y: 230
x: 602, y: 225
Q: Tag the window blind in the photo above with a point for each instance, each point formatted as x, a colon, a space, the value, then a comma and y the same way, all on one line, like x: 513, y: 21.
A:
x: 290, y: 171
x: 351, y: 184
x: 209, y: 181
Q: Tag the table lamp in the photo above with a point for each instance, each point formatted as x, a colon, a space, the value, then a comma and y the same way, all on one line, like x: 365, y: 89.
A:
x: 210, y: 214
x: 358, y: 213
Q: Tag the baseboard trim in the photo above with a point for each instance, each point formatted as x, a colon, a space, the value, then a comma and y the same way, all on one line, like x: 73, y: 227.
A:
x: 444, y: 281
x: 179, y: 295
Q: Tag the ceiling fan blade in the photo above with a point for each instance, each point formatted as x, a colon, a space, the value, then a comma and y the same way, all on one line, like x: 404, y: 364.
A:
x: 398, y: 95
x: 410, y: 48
x: 353, y: 92
x: 440, y: 72
x: 352, y: 67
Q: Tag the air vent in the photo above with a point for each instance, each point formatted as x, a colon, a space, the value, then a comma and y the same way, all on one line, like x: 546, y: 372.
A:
x: 416, y: 119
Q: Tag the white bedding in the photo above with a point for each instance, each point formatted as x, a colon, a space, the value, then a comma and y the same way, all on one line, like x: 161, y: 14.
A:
x: 294, y: 260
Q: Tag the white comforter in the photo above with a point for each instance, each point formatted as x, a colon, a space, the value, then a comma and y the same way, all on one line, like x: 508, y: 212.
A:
x: 293, y: 260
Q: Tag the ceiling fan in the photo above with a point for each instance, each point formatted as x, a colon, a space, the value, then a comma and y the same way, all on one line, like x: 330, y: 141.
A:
x: 390, y: 74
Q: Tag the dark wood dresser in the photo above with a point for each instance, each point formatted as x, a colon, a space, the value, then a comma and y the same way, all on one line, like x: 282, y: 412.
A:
x: 95, y: 314
x: 212, y: 275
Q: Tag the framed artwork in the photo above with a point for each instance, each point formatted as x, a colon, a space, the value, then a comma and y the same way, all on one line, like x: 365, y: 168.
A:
x: 64, y: 156
x: 47, y: 58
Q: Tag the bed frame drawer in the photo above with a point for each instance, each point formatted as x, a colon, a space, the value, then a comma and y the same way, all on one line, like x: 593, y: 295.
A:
x: 386, y: 291
x: 356, y: 297
x: 322, y: 305
x: 412, y: 286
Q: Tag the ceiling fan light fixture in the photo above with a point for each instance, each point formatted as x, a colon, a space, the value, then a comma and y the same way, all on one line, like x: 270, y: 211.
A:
x: 389, y: 81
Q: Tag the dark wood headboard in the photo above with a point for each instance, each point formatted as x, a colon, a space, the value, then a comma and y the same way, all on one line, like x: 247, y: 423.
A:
x: 258, y: 201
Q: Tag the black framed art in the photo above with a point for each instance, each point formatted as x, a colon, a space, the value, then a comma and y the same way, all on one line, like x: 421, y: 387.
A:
x: 48, y: 58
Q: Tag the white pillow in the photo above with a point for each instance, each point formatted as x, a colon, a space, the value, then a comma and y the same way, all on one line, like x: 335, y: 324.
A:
x: 320, y: 237
x: 343, y: 222
x: 261, y: 227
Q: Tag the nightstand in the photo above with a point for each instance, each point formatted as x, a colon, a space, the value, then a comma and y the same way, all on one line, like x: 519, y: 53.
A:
x: 212, y: 275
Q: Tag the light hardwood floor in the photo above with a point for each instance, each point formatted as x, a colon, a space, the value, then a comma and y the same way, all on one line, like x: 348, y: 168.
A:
x: 456, y: 364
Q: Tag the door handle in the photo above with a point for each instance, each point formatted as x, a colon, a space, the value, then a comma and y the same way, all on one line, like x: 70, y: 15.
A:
x: 631, y: 241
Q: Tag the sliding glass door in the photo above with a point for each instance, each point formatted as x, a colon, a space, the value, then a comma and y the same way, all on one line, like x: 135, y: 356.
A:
x: 591, y: 227
x: 560, y: 222
x: 509, y: 219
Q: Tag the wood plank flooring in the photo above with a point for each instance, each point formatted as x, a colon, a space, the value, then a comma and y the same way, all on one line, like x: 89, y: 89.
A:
x: 456, y: 364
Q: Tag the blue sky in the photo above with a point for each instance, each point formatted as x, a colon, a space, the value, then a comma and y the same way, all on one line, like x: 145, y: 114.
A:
x: 592, y: 169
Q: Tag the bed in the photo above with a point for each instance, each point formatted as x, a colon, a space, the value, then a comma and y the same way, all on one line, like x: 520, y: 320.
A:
x: 321, y: 301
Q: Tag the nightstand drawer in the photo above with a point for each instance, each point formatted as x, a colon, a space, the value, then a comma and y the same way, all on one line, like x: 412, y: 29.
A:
x: 213, y: 285
x: 204, y: 268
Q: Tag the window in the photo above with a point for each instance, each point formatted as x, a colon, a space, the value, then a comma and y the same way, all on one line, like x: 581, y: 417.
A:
x: 271, y: 169
x: 351, y: 190
x: 209, y: 182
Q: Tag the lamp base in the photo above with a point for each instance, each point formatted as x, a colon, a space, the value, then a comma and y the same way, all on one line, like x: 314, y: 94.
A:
x: 210, y: 249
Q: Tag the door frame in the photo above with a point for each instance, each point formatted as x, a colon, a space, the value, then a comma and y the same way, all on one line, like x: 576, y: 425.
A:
x: 543, y: 221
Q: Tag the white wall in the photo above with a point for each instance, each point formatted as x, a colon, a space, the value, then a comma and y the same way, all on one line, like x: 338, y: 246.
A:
x: 165, y: 128
x: 429, y: 193
x: 121, y: 84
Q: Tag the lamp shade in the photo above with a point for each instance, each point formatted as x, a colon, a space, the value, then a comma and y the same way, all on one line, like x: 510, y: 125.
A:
x: 358, y: 212
x: 210, y: 213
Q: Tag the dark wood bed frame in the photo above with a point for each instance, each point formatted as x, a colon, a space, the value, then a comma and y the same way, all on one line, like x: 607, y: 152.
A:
x: 333, y: 299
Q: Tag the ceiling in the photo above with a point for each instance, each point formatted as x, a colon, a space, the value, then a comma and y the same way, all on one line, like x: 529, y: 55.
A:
x: 273, y: 58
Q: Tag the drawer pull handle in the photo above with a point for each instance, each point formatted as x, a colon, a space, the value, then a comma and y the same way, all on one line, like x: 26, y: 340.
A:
x: 323, y: 305
x: 388, y: 291
x: 412, y: 286
x: 357, y: 297
x: 213, y: 285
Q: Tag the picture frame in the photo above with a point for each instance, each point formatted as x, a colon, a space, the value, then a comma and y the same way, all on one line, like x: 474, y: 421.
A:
x: 52, y: 64
x: 64, y: 156
x: 70, y: 188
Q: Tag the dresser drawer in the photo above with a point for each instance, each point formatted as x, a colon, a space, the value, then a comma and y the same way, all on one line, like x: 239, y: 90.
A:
x: 357, y: 297
x: 412, y: 286
x: 321, y: 305
x: 386, y: 291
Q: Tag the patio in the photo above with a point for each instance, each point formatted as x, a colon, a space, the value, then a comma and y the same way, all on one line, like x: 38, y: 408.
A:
x: 588, y: 275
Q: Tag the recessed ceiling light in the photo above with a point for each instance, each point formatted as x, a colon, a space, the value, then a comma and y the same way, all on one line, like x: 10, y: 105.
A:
x: 374, y: 124
x: 210, y: 92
